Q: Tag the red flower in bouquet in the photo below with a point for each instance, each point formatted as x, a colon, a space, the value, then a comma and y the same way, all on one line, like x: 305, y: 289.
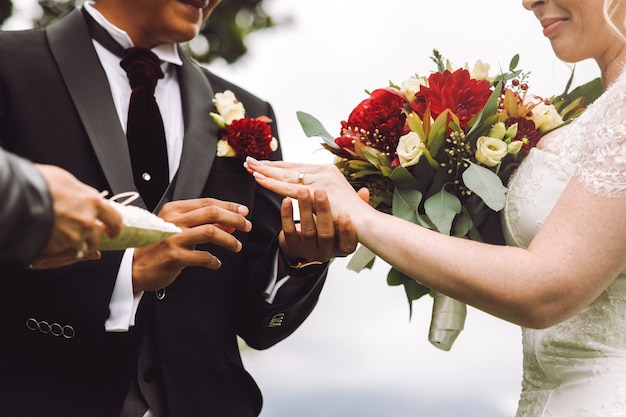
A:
x: 455, y: 91
x: 378, y: 121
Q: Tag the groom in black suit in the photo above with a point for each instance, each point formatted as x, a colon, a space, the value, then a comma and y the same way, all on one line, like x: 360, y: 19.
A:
x: 153, y: 328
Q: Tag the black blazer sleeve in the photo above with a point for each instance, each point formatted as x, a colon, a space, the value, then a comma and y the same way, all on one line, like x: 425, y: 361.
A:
x: 26, y: 215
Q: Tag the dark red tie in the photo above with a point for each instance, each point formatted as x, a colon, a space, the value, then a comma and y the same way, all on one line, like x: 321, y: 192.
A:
x: 144, y: 131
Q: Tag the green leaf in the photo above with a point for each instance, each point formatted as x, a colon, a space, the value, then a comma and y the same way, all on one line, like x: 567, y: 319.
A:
x: 441, y: 209
x: 368, y: 153
x: 314, y: 128
x: 402, y: 178
x: 486, y: 184
x: 514, y: 62
x: 405, y: 204
x: 412, y: 288
x: 424, y: 221
x: 490, y: 107
x: 438, y: 132
x: 463, y: 224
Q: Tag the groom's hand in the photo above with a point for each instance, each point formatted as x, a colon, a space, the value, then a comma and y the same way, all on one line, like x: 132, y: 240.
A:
x: 317, y: 237
x: 203, y: 220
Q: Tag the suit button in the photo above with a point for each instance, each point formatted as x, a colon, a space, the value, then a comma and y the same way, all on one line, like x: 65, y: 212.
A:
x: 146, y: 176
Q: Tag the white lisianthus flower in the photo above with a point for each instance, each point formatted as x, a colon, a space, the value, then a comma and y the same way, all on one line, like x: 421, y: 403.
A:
x: 224, y: 149
x: 480, y: 70
x: 545, y: 116
x: 490, y: 151
x: 411, y: 86
x: 273, y: 144
x: 410, y: 149
x: 229, y: 107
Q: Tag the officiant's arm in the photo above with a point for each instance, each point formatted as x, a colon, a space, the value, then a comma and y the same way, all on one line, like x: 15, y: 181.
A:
x: 49, y: 215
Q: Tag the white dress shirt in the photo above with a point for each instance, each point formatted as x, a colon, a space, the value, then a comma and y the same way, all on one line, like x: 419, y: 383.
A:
x: 124, y: 301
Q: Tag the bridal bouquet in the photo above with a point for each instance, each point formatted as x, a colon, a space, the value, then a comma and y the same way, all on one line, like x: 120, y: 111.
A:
x: 438, y: 150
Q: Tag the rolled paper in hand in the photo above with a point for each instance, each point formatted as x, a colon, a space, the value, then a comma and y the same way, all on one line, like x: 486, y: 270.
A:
x: 448, y: 319
x: 140, y: 227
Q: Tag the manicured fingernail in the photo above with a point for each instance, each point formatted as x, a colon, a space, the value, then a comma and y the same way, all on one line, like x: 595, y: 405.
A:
x: 258, y: 175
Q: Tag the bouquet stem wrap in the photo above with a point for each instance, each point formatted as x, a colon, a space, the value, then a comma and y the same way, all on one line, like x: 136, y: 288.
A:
x: 448, y: 319
x: 448, y: 315
x: 360, y: 259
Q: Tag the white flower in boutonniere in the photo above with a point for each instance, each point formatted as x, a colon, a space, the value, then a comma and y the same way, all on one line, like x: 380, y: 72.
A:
x: 241, y: 136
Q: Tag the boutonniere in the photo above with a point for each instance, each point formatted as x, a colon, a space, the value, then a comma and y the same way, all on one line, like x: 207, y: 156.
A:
x: 241, y: 136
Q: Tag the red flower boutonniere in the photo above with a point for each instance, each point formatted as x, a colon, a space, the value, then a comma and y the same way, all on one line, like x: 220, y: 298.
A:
x: 241, y: 136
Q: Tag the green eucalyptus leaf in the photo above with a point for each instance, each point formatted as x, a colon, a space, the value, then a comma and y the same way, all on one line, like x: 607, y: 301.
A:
x: 405, y: 204
x: 314, y: 128
x: 424, y: 221
x: 412, y: 288
x: 441, y: 209
x: 395, y: 278
x: 486, y: 184
x: 463, y: 224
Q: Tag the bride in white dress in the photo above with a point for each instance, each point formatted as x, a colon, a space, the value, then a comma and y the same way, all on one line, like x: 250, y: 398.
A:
x: 563, y: 275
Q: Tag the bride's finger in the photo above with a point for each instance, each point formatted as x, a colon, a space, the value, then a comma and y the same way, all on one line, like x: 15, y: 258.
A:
x: 296, y: 175
x: 252, y: 164
x: 280, y: 187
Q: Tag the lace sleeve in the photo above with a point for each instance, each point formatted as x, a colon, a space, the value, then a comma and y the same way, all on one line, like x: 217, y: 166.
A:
x: 603, y: 158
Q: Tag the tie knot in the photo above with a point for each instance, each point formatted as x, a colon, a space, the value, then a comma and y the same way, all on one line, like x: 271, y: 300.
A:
x: 143, y: 68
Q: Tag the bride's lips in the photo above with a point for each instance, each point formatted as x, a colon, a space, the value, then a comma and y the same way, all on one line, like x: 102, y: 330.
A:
x: 552, y: 24
x: 199, y: 4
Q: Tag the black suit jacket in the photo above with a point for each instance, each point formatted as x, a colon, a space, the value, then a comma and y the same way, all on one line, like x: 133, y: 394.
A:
x: 55, y: 356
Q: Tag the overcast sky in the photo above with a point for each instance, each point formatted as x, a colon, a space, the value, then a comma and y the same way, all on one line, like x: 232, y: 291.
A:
x: 358, y: 354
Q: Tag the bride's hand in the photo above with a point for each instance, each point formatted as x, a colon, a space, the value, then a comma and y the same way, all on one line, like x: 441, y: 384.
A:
x: 286, y: 178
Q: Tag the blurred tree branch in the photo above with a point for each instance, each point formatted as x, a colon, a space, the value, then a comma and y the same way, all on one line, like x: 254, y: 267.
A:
x: 222, y: 37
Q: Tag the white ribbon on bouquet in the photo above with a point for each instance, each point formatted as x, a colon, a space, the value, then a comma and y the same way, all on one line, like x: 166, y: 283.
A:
x: 448, y: 315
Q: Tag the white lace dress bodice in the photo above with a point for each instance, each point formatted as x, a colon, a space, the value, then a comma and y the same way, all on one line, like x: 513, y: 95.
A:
x: 578, y: 367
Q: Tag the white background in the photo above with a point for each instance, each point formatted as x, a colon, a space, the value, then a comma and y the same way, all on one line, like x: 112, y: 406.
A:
x: 358, y: 354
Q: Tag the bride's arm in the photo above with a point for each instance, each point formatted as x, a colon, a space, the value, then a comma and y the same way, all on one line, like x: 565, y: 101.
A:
x: 574, y: 257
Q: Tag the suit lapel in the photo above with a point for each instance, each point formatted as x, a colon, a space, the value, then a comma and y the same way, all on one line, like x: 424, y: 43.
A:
x: 72, y: 48
x: 200, y: 139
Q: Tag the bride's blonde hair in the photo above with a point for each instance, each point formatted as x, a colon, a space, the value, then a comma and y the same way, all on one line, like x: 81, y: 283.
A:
x: 615, y: 17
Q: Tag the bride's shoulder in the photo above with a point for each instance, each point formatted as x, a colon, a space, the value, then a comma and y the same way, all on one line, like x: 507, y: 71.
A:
x: 602, y: 129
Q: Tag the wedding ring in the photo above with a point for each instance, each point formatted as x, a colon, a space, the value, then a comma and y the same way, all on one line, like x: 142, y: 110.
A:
x: 301, y: 177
